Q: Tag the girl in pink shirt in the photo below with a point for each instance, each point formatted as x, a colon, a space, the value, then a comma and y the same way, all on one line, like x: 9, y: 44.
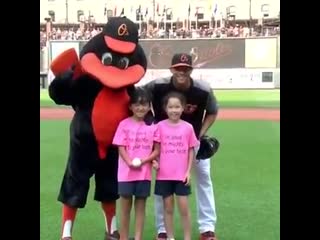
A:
x: 135, y: 140
x: 177, y: 142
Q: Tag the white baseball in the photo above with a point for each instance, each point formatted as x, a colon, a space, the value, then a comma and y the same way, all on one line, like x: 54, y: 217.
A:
x: 136, y: 162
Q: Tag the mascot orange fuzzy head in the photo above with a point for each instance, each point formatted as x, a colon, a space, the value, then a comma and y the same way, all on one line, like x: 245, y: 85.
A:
x: 113, y: 56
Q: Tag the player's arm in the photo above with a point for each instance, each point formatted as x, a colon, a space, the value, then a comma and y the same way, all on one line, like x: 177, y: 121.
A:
x: 210, y: 115
x: 154, y: 155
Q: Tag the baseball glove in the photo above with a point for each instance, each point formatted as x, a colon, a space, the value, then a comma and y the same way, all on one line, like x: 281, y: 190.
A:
x: 208, y: 147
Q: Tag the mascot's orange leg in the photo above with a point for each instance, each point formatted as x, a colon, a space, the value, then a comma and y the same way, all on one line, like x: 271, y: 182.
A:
x: 109, y: 210
x: 68, y: 217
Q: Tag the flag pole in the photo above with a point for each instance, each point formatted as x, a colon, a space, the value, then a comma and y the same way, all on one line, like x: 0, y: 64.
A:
x: 105, y: 11
x: 153, y: 11
x: 158, y: 21
x: 172, y: 20
x: 165, y: 17
x: 197, y: 19
x: 189, y: 25
x: 157, y: 16
x: 146, y: 15
x: 140, y: 15
x: 215, y: 16
x: 211, y: 15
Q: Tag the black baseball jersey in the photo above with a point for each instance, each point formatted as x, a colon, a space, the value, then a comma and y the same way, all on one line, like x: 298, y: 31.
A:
x: 200, y: 100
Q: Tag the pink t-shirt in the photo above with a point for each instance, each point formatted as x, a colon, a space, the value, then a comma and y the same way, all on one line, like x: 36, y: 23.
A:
x: 138, y: 139
x: 175, y: 141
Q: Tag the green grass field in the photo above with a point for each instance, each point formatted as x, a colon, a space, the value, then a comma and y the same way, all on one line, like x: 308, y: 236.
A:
x: 226, y: 98
x: 245, y: 171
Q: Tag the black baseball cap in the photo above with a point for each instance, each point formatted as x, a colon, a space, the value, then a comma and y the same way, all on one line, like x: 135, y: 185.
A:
x: 121, y: 34
x: 181, y: 59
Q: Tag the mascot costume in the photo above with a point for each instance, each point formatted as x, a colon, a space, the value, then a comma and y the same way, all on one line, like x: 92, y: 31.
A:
x: 97, y: 85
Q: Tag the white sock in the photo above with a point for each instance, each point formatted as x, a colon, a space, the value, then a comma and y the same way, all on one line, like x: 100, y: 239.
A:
x: 113, y: 224
x: 67, y: 229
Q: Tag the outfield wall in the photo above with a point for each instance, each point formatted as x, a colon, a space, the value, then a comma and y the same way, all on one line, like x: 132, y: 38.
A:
x: 231, y: 63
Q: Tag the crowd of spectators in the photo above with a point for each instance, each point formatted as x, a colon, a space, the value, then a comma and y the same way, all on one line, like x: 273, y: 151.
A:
x: 154, y: 33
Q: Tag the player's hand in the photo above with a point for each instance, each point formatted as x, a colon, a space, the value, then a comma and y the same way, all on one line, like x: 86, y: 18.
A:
x: 155, y: 165
x: 187, y: 179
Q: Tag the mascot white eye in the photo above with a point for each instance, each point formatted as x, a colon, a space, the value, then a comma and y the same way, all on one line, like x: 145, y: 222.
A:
x: 123, y: 63
x: 106, y: 59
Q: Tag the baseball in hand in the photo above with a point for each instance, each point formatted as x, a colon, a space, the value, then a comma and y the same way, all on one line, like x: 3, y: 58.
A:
x: 136, y: 162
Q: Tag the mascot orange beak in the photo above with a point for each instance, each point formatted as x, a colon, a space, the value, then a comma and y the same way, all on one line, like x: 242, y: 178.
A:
x: 112, y: 76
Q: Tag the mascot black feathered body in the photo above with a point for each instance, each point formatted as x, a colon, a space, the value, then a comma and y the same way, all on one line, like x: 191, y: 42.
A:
x: 97, y: 86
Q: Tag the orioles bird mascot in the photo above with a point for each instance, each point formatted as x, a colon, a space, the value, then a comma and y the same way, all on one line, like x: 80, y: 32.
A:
x: 97, y: 86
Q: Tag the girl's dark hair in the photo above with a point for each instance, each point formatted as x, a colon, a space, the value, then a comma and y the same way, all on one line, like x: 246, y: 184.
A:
x: 177, y: 95
x: 139, y: 96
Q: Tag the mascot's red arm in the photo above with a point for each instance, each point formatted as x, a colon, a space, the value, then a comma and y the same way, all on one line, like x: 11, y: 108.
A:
x: 66, y: 67
x: 66, y: 60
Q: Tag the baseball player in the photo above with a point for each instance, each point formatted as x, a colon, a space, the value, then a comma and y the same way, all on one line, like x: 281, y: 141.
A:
x: 201, y: 111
